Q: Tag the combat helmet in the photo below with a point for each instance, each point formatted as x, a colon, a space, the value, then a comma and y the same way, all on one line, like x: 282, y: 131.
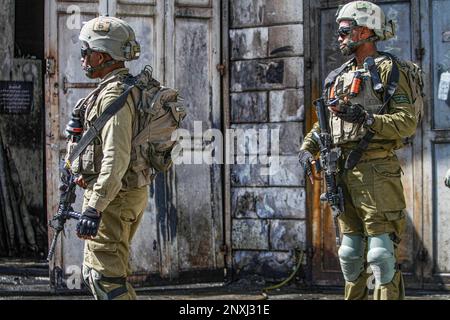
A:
x: 367, y: 14
x: 111, y: 35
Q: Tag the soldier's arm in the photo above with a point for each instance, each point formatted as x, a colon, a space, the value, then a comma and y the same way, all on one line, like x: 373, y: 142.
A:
x: 400, y: 121
x: 116, y: 142
x: 309, y: 143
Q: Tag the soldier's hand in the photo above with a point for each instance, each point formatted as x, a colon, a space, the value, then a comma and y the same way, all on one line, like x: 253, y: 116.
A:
x: 447, y: 179
x: 87, y: 226
x: 81, y: 182
x: 306, y: 159
x: 353, y: 113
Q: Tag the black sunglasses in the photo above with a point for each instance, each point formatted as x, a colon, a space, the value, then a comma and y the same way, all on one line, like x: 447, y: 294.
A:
x: 85, y: 52
x: 344, y: 31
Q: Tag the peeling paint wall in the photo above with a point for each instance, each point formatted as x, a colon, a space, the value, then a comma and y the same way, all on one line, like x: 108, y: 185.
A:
x: 268, y: 212
x: 7, y: 38
x: 22, y: 135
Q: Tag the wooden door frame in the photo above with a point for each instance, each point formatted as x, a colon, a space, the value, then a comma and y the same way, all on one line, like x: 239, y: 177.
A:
x: 312, y: 10
x: 226, y: 124
x: 434, y: 136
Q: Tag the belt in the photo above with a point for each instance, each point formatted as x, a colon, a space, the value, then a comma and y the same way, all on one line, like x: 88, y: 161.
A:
x: 370, y: 155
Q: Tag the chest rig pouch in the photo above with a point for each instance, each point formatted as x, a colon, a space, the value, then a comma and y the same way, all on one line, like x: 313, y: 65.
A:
x: 343, y: 132
x: 89, y: 161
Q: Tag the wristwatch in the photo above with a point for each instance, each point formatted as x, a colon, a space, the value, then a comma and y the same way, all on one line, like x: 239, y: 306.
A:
x: 369, y: 121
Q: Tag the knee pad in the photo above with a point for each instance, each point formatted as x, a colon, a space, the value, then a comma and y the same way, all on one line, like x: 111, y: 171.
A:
x: 351, y: 257
x: 381, y: 258
x: 97, y: 283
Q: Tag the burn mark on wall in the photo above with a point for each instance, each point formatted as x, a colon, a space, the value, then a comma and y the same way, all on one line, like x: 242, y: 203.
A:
x: 275, y: 72
x: 249, y: 43
x: 267, y: 74
x: 270, y: 203
x: 249, y: 107
x: 246, y: 204
x: 271, y: 265
x: 165, y: 210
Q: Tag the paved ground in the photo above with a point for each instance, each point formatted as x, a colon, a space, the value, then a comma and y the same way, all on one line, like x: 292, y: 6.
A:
x: 32, y: 282
x: 215, y: 292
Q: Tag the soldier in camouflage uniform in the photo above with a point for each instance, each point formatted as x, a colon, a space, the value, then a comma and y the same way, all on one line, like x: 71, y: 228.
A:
x: 374, y: 218
x: 115, y: 196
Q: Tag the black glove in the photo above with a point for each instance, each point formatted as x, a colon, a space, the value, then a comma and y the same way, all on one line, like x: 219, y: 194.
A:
x: 353, y: 113
x: 306, y: 159
x: 89, y: 222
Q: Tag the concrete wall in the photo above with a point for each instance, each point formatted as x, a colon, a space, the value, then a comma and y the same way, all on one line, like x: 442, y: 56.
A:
x: 268, y: 212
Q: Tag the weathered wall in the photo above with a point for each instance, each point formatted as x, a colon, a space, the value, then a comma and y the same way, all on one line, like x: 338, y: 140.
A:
x: 6, y: 37
x: 22, y: 133
x: 268, y: 212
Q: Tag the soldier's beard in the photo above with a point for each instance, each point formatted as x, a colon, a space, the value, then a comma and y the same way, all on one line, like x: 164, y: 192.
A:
x: 347, y: 49
x: 88, y: 72
x: 351, y: 46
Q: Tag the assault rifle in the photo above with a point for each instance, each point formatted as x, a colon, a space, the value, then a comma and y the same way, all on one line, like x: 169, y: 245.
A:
x: 67, y: 185
x: 65, y: 211
x: 328, y: 164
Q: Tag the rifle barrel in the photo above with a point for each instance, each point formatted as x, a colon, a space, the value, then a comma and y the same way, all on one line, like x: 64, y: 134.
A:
x: 51, y: 251
x: 322, y: 115
x: 67, y: 215
x: 74, y: 215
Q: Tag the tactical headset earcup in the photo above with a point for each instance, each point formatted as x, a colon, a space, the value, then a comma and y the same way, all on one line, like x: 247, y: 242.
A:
x: 132, y: 50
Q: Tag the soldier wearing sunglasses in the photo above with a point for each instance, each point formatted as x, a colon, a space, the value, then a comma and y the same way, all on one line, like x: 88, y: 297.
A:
x: 369, y: 171
x: 115, y: 197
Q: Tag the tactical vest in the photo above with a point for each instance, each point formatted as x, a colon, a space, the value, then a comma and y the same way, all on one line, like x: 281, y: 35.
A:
x: 344, y: 132
x: 89, y: 162
x: 157, y: 113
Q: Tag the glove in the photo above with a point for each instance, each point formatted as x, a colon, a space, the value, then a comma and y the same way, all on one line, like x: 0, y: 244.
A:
x: 447, y: 179
x: 81, y: 182
x: 306, y: 159
x: 354, y: 113
x: 87, y: 226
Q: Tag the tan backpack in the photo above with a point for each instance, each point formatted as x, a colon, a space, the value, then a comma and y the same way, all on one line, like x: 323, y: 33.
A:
x: 159, y: 113
x: 415, y: 78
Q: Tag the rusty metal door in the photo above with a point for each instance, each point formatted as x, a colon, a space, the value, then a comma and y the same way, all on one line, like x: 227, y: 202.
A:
x: 406, y: 45
x: 181, y: 232
x: 436, y: 144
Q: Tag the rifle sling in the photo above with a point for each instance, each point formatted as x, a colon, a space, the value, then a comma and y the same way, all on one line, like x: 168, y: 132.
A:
x: 333, y: 75
x: 98, y: 124
x: 355, y: 155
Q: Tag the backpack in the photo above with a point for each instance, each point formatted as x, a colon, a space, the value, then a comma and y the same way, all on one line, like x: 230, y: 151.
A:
x: 415, y: 80
x: 159, y: 112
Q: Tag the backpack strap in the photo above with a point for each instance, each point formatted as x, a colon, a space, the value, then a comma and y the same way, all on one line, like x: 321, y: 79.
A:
x: 99, y: 123
x: 333, y: 75
x: 356, y: 154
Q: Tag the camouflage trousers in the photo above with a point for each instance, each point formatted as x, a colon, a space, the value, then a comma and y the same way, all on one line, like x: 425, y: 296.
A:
x: 374, y: 205
x: 106, y: 257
